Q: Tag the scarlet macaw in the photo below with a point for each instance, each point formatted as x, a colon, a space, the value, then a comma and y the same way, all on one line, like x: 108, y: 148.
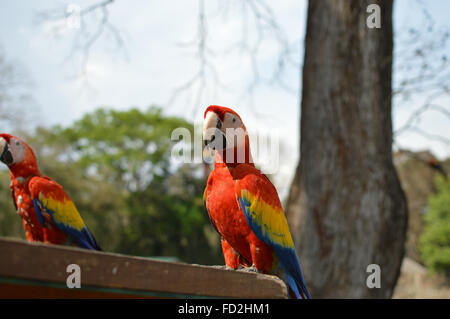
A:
x: 244, y: 207
x: 48, y: 214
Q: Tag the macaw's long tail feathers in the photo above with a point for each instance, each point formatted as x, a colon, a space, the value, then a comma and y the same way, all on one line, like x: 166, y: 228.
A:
x: 97, y: 246
x: 293, y: 275
x: 90, y: 241
x: 293, y: 289
x: 300, y: 281
x: 303, y: 289
x: 293, y: 272
x: 298, y: 289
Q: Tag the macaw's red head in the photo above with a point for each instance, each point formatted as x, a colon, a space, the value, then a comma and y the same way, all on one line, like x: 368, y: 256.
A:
x: 224, y: 131
x: 17, y: 155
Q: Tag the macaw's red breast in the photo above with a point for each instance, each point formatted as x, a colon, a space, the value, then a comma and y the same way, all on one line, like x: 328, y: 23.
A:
x: 25, y: 208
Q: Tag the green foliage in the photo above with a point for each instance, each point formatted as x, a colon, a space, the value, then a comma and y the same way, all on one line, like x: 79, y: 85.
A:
x: 130, y: 147
x: 116, y: 166
x: 435, y: 240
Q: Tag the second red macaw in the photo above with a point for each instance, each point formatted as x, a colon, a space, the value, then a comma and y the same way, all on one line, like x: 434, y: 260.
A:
x: 244, y: 207
x: 48, y: 214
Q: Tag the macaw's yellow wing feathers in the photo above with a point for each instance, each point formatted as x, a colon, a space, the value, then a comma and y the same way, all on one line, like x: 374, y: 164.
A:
x: 269, y: 220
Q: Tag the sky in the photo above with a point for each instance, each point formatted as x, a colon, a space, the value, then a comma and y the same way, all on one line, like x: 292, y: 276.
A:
x: 159, y: 54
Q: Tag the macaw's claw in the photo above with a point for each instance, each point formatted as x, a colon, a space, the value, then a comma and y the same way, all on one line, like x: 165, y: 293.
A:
x: 252, y: 268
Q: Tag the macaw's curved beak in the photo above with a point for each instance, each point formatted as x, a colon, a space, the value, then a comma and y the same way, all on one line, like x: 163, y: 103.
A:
x: 213, y: 137
x: 5, y: 154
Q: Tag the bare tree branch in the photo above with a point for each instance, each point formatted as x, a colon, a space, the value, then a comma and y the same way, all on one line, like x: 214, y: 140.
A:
x: 88, y: 33
x: 422, y: 69
x: 427, y: 105
x: 264, y: 25
x: 435, y: 137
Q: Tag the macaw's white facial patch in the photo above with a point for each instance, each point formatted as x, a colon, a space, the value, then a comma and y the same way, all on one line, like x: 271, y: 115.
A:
x: 2, y: 144
x: 231, y: 121
x: 17, y: 149
x: 235, y: 132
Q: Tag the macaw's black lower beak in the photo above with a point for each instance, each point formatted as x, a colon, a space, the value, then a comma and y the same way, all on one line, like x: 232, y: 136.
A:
x: 6, y: 156
x: 208, y: 142
x: 213, y: 143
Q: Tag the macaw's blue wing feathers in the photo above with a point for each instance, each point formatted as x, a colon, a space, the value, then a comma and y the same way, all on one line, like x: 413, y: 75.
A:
x: 38, y: 208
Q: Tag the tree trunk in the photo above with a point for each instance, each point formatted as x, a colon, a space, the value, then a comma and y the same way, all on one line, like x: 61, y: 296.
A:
x: 346, y: 206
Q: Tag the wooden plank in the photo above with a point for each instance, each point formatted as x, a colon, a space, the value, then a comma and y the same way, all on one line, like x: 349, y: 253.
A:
x: 48, y: 263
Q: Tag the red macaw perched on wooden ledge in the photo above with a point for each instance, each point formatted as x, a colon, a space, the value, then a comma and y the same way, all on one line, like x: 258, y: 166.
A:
x: 48, y: 214
x: 244, y: 207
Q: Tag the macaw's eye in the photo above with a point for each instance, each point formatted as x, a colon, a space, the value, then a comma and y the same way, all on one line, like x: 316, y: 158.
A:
x: 234, y: 119
x: 17, y: 143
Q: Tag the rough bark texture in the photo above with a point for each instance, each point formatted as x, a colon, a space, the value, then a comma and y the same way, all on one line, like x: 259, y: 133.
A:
x: 346, y: 206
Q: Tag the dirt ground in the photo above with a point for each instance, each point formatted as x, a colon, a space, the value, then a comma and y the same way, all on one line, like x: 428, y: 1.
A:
x: 416, y: 283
